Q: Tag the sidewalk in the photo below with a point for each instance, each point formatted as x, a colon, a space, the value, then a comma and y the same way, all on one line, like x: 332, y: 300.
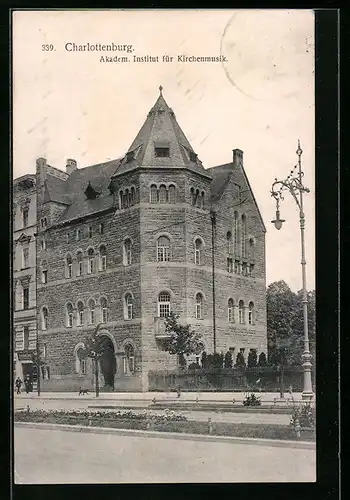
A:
x: 149, y: 397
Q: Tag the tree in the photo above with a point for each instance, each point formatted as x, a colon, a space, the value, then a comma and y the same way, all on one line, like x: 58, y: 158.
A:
x: 204, y: 360
x: 262, y: 359
x: 94, y: 349
x: 285, y: 324
x: 252, y: 359
x: 240, y: 361
x: 228, y: 360
x: 183, y: 340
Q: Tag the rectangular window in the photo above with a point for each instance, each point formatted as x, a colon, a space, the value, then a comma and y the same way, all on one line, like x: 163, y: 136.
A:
x: 43, y: 222
x: 25, y: 212
x: 101, y: 228
x: 163, y: 254
x: 250, y: 270
x: 43, y: 244
x: 104, y: 315
x: 70, y: 319
x: 26, y: 297
x: 44, y: 276
x: 91, y: 266
x: 70, y: 270
x: 80, y: 318
x: 197, y: 256
x: 237, y: 266
x: 164, y: 310
x: 26, y: 337
x: 90, y: 232
x: 25, y: 257
x: 229, y: 265
x: 244, y: 269
x: 92, y: 316
x: 48, y: 372
x: 103, y: 263
x: 20, y: 339
x: 162, y: 152
x: 83, y: 366
x: 80, y: 268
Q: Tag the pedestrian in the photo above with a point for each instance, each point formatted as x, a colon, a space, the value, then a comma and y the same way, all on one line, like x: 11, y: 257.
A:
x: 18, y: 384
x: 178, y: 392
x: 27, y: 383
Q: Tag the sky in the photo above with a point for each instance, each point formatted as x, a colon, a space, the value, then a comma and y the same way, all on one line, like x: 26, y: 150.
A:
x: 260, y: 99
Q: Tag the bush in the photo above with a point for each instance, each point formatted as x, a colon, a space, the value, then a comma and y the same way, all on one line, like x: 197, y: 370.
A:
x: 252, y: 400
x: 193, y: 366
x: 240, y: 361
x: 305, y: 414
x: 252, y: 359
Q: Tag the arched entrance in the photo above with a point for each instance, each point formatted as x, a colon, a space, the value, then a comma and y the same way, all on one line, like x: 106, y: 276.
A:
x: 107, y: 363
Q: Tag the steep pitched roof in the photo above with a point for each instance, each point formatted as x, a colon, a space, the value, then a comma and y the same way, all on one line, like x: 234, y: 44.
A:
x: 161, y: 129
x: 221, y: 176
x: 55, y: 190
x: 73, y: 190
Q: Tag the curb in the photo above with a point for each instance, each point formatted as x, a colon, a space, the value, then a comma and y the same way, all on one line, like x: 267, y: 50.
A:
x: 305, y: 445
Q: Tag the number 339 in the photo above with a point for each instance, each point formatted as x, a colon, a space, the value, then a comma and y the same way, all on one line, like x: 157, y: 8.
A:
x: 47, y: 47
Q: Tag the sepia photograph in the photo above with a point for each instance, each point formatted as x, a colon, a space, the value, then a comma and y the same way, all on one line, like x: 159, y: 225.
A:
x: 163, y: 258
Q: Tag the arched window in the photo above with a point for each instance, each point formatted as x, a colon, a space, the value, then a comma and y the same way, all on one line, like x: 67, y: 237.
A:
x: 229, y: 242
x: 163, y: 249
x: 126, y: 198
x: 163, y: 304
x: 69, y: 315
x: 80, y: 361
x: 78, y: 235
x: 198, y: 199
x: 199, y: 306
x: 104, y: 310
x: 251, y: 313
x: 243, y: 235
x: 202, y: 200
x: 69, y: 266
x: 80, y: 313
x: 44, y: 271
x: 162, y: 194
x: 91, y: 261
x: 128, y: 306
x: 231, y: 311
x: 251, y: 249
x: 235, y: 231
x: 193, y: 197
x: 92, y: 307
x: 129, y: 359
x: 198, y: 251
x: 153, y: 194
x: 103, y: 258
x: 127, y: 252
x: 172, y: 194
x: 44, y: 317
x: 80, y: 264
x: 241, y: 312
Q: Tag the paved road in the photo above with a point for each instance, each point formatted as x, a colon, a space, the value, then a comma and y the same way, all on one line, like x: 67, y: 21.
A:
x: 256, y: 418
x: 47, y: 456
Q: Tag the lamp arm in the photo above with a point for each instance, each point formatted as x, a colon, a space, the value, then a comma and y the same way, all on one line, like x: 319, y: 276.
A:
x: 294, y: 186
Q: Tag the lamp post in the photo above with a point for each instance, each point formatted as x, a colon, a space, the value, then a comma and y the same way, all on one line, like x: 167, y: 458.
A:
x: 294, y: 185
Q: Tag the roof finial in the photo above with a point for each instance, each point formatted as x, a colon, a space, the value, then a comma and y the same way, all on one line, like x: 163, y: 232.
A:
x: 160, y: 89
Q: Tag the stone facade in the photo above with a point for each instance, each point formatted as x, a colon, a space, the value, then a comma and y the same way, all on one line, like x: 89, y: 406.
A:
x: 105, y: 260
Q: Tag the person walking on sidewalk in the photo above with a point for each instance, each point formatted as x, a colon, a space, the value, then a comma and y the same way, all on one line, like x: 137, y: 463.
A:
x: 18, y: 384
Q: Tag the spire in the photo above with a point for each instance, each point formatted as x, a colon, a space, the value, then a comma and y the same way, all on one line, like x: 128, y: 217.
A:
x: 161, y: 143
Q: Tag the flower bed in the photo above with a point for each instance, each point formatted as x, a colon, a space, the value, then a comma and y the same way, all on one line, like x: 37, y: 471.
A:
x: 166, y: 422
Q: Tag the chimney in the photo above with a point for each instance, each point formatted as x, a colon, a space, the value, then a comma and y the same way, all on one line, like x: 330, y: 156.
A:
x: 41, y: 169
x: 237, y: 157
x: 71, y: 166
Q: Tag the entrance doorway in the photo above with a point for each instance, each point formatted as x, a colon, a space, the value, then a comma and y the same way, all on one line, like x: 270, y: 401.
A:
x: 107, y: 363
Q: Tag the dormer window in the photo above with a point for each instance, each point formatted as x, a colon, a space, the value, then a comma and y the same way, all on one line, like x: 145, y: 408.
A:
x: 193, y: 156
x: 162, y: 152
x: 90, y: 192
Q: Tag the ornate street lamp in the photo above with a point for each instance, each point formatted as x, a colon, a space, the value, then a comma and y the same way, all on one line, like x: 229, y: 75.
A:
x: 295, y: 186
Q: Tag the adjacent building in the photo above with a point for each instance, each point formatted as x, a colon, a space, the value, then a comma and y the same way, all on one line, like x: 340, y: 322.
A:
x: 24, y: 274
x: 123, y: 243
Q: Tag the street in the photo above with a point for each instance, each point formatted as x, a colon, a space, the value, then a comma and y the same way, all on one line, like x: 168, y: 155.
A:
x: 56, y: 456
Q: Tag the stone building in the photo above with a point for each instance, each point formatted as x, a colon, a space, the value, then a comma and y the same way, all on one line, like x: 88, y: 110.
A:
x: 24, y: 274
x: 124, y: 242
